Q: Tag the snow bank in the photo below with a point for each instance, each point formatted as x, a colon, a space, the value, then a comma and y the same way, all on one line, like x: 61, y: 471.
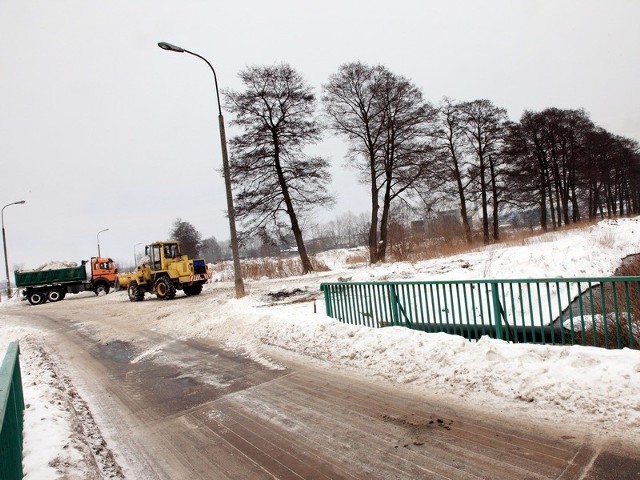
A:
x: 53, y: 443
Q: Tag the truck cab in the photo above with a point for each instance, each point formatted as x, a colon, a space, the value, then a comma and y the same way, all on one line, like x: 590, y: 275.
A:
x: 103, y: 274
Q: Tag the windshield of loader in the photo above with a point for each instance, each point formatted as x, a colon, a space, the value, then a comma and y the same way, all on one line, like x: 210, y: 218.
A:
x: 171, y: 250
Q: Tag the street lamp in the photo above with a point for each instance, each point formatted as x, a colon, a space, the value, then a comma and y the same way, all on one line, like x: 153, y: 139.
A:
x: 135, y: 263
x: 4, y: 244
x: 237, y: 272
x: 98, y: 239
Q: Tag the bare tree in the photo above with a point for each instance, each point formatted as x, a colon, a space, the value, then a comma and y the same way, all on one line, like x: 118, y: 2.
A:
x: 564, y: 132
x: 526, y: 146
x: 611, y: 173
x: 385, y: 120
x: 484, y: 126
x: 550, y: 150
x: 276, y: 182
x: 450, y: 134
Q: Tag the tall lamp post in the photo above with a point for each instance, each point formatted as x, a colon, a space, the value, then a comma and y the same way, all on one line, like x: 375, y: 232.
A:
x: 4, y: 244
x: 98, y: 239
x: 237, y: 272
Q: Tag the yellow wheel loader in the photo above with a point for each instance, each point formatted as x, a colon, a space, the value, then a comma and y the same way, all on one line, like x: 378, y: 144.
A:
x: 163, y: 271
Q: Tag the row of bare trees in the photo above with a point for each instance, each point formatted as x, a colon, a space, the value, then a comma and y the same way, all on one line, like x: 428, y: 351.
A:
x: 564, y: 164
x: 410, y: 153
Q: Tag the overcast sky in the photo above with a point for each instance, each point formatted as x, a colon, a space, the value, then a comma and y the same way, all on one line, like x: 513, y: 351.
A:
x: 100, y: 128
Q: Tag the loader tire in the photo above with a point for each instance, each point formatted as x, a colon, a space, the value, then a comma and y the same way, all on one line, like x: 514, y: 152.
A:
x: 194, y: 289
x: 165, y: 289
x: 135, y: 294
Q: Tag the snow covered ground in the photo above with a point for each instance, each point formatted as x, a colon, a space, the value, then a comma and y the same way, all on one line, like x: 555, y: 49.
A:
x: 592, y: 389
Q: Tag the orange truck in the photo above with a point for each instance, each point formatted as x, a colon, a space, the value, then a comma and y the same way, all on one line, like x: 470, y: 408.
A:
x: 53, y: 284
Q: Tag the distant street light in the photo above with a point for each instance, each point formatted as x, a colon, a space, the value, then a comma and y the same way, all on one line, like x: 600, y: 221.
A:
x: 4, y: 244
x: 98, y: 238
x: 237, y: 272
x: 135, y: 261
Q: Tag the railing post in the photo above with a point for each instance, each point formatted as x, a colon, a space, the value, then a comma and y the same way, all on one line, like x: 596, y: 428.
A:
x: 497, y: 317
x: 393, y: 300
x: 327, y: 299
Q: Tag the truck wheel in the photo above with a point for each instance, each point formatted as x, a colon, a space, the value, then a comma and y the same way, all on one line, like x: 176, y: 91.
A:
x: 102, y: 289
x: 165, y: 289
x: 194, y: 289
x: 54, y: 296
x: 36, y: 298
x: 135, y: 294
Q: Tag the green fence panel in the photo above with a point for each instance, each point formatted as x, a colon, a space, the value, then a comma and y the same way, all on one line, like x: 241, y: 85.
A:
x: 11, y: 413
x: 598, y: 311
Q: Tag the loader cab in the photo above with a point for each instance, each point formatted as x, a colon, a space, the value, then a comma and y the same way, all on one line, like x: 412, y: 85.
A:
x: 161, y: 254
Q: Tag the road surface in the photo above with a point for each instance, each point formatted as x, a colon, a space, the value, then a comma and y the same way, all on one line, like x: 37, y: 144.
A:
x: 188, y: 408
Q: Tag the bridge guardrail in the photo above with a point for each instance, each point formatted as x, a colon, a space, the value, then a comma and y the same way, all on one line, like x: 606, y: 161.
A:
x: 596, y: 311
x: 11, y: 414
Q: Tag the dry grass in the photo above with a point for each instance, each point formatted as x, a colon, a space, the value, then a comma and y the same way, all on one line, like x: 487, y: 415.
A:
x: 356, y: 259
x: 257, y: 269
x: 443, y: 248
x: 451, y: 242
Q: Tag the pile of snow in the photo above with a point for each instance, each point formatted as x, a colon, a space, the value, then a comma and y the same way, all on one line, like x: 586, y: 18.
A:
x: 54, y: 265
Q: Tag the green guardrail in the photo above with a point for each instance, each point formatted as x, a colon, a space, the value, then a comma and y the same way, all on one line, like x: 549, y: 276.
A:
x: 601, y: 312
x: 11, y: 413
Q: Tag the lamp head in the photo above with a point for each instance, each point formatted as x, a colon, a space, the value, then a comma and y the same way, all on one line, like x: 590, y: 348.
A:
x: 171, y: 48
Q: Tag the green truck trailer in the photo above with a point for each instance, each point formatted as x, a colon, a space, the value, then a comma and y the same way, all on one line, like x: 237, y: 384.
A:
x: 53, y: 284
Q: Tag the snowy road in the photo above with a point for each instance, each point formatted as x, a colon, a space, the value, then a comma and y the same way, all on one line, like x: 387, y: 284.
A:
x: 174, y: 407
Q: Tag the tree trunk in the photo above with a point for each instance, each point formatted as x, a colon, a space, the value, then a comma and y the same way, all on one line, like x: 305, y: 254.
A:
x: 302, y: 251
x: 384, y: 223
x: 463, y: 201
x: 543, y: 190
x: 551, y: 204
x: 557, y: 191
x: 373, y: 228
x: 575, y: 208
x: 483, y: 194
x: 494, y: 190
x: 295, y: 226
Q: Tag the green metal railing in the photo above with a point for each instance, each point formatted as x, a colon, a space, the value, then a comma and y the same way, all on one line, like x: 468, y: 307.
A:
x: 12, y: 408
x: 603, y: 312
